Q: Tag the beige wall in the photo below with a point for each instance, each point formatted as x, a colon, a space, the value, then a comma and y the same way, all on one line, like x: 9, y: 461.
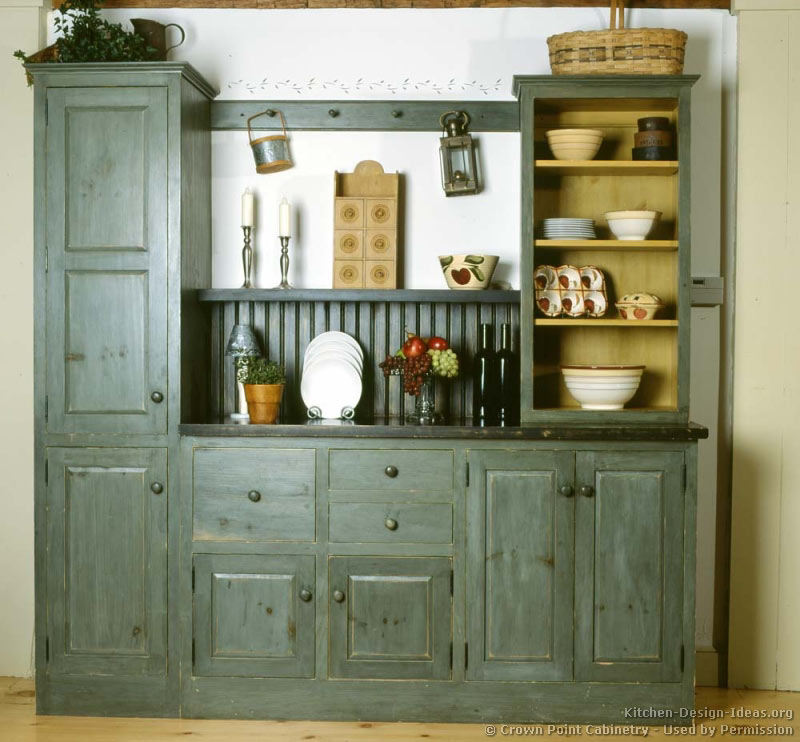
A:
x: 764, y: 650
x: 20, y: 27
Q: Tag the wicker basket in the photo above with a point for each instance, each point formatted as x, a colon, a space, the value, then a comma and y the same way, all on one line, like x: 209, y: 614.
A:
x: 620, y: 51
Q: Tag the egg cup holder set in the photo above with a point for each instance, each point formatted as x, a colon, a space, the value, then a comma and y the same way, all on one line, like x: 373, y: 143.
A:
x: 570, y: 291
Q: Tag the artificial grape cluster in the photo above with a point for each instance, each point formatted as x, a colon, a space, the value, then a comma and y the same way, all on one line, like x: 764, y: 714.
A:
x: 412, y: 370
x: 444, y: 363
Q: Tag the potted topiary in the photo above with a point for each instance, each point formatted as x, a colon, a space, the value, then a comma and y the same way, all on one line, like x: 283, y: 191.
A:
x: 263, y: 388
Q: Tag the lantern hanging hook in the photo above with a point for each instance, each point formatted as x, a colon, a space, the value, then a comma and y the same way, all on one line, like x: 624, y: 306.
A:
x: 454, y: 123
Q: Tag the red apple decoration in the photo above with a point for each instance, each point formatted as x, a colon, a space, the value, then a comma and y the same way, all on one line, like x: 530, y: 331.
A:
x: 437, y: 343
x: 414, y: 347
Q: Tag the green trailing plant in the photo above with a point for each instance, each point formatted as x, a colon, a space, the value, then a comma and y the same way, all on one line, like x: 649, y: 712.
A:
x: 84, y: 36
x: 259, y: 371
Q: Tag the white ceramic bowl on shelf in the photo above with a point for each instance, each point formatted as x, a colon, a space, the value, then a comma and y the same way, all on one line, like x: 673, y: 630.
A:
x: 602, y: 387
x: 632, y: 225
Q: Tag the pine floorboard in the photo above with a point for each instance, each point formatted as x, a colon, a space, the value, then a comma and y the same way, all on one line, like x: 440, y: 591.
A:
x: 19, y: 723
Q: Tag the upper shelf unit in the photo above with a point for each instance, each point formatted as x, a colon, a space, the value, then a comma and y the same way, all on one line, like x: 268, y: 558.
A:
x: 659, y: 264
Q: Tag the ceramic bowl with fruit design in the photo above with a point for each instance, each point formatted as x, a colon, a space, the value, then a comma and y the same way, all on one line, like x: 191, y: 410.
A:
x: 468, y: 271
x: 639, y: 306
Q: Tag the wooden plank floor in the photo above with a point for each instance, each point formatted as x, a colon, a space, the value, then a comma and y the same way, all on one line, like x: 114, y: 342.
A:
x: 19, y: 723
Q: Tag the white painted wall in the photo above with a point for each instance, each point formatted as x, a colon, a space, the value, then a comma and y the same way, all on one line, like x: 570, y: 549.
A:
x: 20, y: 26
x: 355, y: 54
x: 765, y: 551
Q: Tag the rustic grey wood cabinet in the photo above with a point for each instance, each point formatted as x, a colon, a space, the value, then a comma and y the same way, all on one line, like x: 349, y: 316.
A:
x: 187, y: 566
x: 122, y: 177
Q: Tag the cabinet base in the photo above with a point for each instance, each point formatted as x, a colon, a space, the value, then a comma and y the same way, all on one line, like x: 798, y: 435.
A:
x: 476, y: 702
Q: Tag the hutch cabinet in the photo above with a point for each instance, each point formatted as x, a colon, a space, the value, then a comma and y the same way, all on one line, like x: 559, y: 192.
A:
x: 372, y: 570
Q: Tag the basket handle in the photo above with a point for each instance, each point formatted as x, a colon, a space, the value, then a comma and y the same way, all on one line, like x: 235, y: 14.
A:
x: 617, y: 5
x: 269, y: 112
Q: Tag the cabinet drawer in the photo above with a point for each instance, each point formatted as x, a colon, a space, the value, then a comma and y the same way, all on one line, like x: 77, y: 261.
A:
x: 392, y: 470
x: 387, y: 523
x: 253, y: 494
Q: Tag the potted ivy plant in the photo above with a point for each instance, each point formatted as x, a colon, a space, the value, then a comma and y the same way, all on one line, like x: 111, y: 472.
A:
x: 263, y: 388
x: 84, y: 36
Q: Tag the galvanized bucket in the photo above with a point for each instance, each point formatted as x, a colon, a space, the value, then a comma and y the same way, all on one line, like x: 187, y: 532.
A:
x: 271, y: 153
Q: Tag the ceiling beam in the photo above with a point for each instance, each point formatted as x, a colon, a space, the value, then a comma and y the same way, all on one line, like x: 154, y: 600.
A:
x: 690, y: 4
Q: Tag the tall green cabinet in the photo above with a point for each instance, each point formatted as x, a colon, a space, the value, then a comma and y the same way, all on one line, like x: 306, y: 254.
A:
x: 122, y: 173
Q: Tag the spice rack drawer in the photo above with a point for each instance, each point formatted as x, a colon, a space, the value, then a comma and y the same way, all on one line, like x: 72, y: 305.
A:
x: 251, y: 494
x: 390, y: 523
x: 394, y: 470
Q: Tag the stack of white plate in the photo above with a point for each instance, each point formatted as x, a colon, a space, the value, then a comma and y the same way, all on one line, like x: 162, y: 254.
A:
x: 331, y: 383
x: 568, y: 229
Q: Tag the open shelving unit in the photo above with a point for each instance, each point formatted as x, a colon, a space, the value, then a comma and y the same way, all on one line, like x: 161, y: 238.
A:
x: 658, y: 265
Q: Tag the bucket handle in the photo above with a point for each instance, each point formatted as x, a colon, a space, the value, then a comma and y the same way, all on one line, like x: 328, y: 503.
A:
x: 269, y: 112
x: 617, y: 5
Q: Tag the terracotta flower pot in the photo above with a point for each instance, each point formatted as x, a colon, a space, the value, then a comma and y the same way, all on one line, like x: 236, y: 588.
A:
x: 263, y: 402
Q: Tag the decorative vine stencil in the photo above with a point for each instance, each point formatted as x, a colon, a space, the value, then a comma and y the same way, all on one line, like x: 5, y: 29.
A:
x: 361, y: 85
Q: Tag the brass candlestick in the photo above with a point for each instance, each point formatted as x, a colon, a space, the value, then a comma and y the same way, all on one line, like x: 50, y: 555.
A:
x: 247, y: 258
x: 284, y: 284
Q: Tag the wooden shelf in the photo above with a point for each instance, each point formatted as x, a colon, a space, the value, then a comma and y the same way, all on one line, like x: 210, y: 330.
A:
x: 431, y: 296
x: 600, y: 322
x: 621, y: 245
x: 607, y: 167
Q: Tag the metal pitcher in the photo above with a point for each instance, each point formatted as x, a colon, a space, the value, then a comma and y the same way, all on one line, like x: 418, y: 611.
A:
x: 155, y: 34
x: 271, y: 153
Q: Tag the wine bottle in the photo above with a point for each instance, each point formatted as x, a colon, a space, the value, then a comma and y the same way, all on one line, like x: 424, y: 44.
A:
x: 484, y: 381
x: 507, y: 381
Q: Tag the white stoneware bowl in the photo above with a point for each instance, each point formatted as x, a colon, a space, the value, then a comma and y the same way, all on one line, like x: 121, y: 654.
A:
x: 632, y: 225
x: 468, y: 271
x: 602, y: 387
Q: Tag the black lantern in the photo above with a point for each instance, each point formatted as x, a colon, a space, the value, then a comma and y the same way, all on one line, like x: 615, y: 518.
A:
x: 457, y: 154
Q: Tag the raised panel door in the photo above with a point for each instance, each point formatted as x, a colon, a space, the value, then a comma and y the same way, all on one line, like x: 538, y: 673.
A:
x: 629, y: 566
x: 107, y: 560
x: 520, y: 565
x: 390, y: 617
x: 254, y: 615
x: 106, y: 233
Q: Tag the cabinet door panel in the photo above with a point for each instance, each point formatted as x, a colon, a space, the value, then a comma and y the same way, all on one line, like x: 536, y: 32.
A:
x: 519, y: 566
x: 249, y: 617
x: 630, y: 567
x: 107, y: 561
x: 394, y: 619
x: 106, y: 183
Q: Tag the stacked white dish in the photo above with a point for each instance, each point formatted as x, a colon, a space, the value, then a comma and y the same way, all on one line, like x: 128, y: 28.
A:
x: 568, y: 229
x: 331, y: 383
x: 602, y: 387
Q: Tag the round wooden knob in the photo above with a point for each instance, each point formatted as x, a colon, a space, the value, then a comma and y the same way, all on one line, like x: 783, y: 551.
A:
x: 390, y: 471
x: 305, y: 595
x: 380, y: 213
x: 254, y: 495
x: 391, y: 524
x: 349, y: 213
x: 338, y: 596
x: 156, y: 488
